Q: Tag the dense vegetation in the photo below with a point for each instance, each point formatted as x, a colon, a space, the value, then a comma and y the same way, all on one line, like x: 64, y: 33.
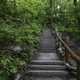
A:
x: 66, y: 15
x: 20, y: 27
x: 21, y: 22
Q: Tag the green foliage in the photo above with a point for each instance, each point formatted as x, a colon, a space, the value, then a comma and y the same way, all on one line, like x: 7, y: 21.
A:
x: 26, y: 36
x: 9, y: 65
x: 20, y: 25
x: 66, y: 13
x: 21, y: 22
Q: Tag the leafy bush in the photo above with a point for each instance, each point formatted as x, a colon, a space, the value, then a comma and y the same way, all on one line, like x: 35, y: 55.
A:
x: 20, y: 27
x: 25, y: 37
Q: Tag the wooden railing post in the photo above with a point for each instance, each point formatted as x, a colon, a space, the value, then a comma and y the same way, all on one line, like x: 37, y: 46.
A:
x: 66, y: 56
x: 66, y: 50
x: 78, y: 70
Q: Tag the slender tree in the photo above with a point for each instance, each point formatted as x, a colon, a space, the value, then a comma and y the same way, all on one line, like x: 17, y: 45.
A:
x: 75, y: 2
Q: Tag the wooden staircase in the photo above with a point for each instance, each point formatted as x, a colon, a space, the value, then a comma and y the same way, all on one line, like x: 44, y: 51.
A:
x: 47, y: 65
x: 48, y: 70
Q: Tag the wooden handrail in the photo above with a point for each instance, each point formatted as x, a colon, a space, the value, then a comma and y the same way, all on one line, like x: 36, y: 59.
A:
x: 72, y: 53
x: 69, y: 54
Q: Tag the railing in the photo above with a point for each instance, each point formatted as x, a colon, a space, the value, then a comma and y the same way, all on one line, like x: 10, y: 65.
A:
x: 69, y: 55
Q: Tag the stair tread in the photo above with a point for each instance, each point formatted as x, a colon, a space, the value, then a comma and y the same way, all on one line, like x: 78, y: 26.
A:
x: 48, y: 71
x: 47, y: 61
x: 51, y: 78
x: 47, y: 65
x: 47, y: 56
